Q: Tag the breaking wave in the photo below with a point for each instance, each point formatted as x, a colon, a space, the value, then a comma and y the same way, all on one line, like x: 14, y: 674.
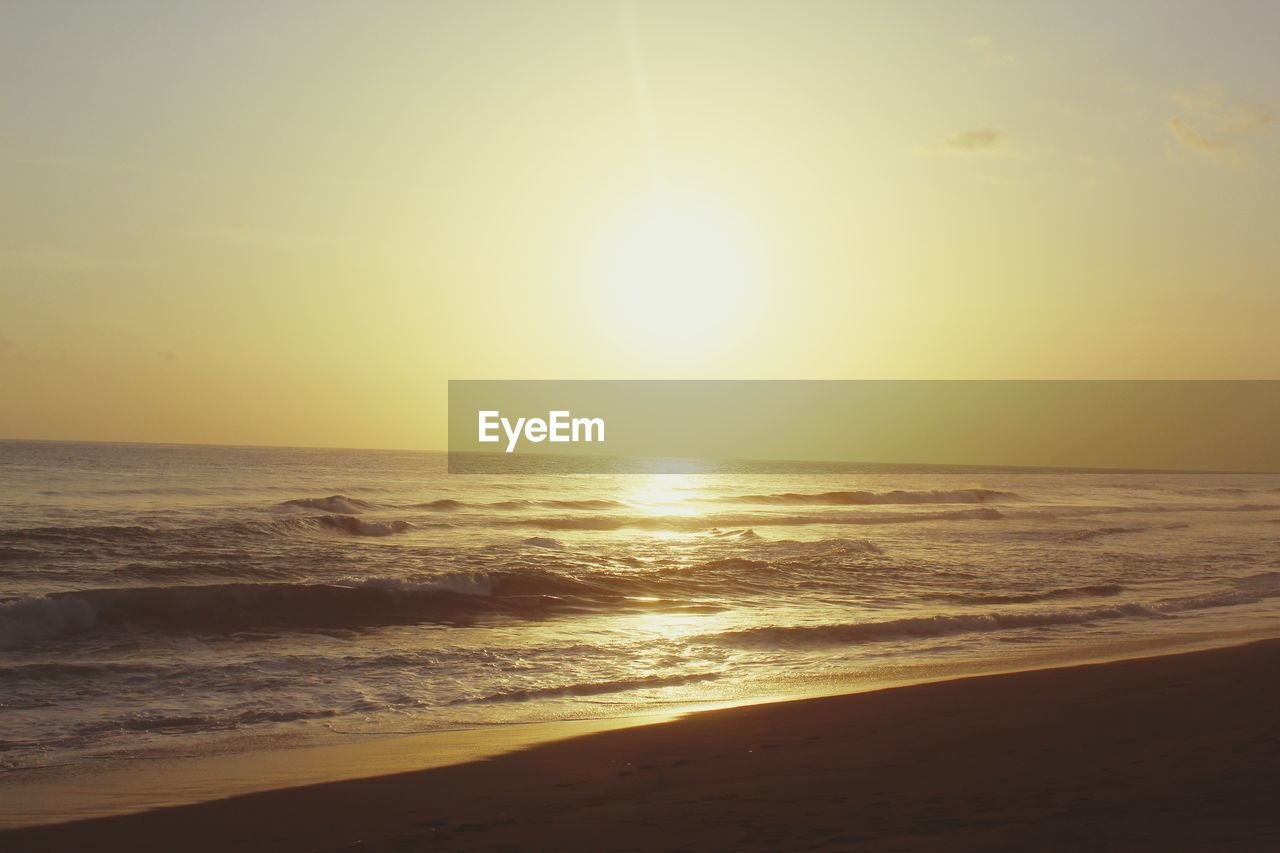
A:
x: 171, y: 723
x: 694, y: 524
x: 360, y: 526
x: 235, y: 607
x: 740, y: 533
x: 340, y: 504
x: 455, y: 598
x: 923, y: 627
x: 112, y: 539
x: 558, y: 504
x: 1091, y: 591
x: 592, y: 688
x: 132, y: 535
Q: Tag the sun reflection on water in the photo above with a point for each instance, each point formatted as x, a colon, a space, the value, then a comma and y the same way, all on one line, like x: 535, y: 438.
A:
x: 663, y: 494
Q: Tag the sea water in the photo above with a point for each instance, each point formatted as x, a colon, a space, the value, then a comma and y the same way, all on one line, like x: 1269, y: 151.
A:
x: 168, y: 600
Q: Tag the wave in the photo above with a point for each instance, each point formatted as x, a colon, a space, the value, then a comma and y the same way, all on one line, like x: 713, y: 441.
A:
x: 822, y: 547
x: 1230, y: 490
x: 1096, y: 532
x: 789, y: 557
x: 542, y: 542
x: 76, y: 671
x: 694, y: 524
x: 235, y: 607
x: 558, y: 504
x: 347, y: 524
x: 164, y: 571
x: 90, y: 534
x: 1093, y: 590
x: 924, y: 627
x: 730, y: 564
x: 1156, y: 508
x: 582, y: 504
x: 115, y: 535
x: 455, y: 598
x: 442, y: 505
x: 1263, y: 584
x: 360, y: 526
x: 450, y: 504
x: 592, y: 688
x: 175, y: 723
x: 1099, y: 511
x: 1206, y: 490
x: 740, y: 533
x: 524, y: 503
x: 865, y: 498
x: 567, y: 592
x: 334, y: 503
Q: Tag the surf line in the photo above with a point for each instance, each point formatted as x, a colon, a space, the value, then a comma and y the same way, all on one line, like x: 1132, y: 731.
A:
x: 558, y: 426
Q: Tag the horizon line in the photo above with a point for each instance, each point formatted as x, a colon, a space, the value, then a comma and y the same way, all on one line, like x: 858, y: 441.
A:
x: 971, y: 466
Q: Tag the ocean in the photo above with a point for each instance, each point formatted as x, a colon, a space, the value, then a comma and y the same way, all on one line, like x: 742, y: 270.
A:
x: 167, y: 600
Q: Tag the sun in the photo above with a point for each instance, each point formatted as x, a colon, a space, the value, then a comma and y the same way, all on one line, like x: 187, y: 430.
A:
x: 678, y: 272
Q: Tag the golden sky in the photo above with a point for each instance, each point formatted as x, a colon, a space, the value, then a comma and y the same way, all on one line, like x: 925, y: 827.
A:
x: 291, y: 223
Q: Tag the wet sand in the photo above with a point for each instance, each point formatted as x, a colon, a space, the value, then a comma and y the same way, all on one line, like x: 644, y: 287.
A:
x: 1179, y: 752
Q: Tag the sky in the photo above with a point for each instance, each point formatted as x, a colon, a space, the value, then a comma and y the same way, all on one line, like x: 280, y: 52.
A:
x: 292, y: 223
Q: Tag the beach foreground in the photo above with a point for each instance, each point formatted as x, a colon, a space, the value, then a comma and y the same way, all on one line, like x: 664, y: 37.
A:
x: 1180, y: 752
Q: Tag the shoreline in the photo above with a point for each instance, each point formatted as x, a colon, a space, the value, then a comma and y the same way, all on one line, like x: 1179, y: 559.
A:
x: 118, y: 786
x: 1173, y: 750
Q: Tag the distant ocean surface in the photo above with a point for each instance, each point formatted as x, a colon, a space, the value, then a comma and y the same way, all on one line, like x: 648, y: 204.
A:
x: 156, y: 599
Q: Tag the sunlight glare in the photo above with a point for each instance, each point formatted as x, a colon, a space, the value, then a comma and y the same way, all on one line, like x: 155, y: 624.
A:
x: 663, y: 494
x: 680, y: 273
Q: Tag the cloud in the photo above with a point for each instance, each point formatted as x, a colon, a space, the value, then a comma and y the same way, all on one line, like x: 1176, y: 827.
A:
x: 973, y: 141
x: 984, y: 47
x: 1232, y: 114
x: 1186, y: 133
x: 1216, y: 125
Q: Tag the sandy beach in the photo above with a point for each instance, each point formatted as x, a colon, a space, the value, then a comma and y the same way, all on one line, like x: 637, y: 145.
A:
x: 1179, y: 752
